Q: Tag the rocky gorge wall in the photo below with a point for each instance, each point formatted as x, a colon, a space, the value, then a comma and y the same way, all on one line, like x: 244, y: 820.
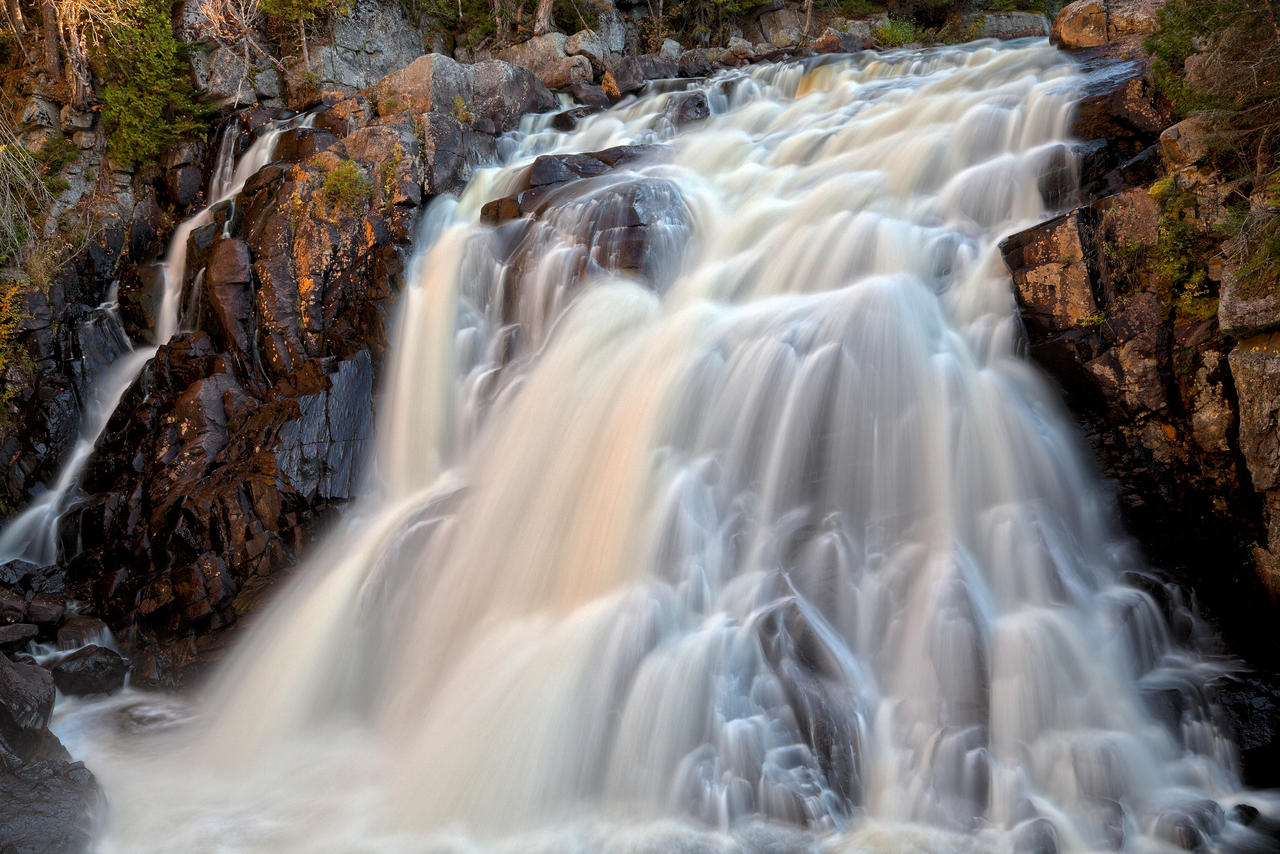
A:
x: 1170, y: 372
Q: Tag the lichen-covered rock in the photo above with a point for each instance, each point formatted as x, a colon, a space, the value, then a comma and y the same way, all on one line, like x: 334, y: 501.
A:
x: 1051, y: 275
x: 546, y: 57
x: 490, y: 96
x: 1094, y: 23
x: 1081, y: 24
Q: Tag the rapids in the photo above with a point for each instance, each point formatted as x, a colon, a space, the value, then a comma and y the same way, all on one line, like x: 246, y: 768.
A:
x: 779, y: 545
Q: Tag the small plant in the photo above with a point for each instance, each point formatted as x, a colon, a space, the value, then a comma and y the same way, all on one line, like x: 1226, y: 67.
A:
x: 10, y: 347
x: 1092, y: 321
x: 610, y: 86
x: 345, y: 187
x: 387, y: 172
x: 460, y: 111
x: 895, y: 32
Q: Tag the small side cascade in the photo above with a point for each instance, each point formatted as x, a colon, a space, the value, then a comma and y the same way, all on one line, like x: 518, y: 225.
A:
x: 32, y: 535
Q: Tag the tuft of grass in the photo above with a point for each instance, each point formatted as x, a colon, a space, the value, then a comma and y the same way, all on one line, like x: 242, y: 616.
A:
x: 346, y: 188
x: 895, y: 32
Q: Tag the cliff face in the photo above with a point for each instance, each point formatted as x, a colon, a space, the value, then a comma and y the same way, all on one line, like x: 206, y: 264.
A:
x: 1132, y: 302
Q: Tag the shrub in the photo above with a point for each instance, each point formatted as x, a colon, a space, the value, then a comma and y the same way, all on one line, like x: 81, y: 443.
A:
x: 346, y: 187
x: 149, y: 98
x: 895, y: 32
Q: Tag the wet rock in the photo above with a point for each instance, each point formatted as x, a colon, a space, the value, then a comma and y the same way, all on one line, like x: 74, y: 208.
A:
x: 632, y: 72
x: 1248, y: 705
x: 79, y: 630
x: 1035, y: 836
x: 1189, y: 825
x: 16, y: 637
x: 1118, y: 104
x: 504, y: 92
x: 47, y: 806
x: 26, y: 697
x: 686, y: 107
x: 835, y: 41
x: 301, y: 143
x: 46, y: 609
x: 228, y: 293
x: 90, y: 670
x: 693, y: 63
x: 590, y: 95
x: 1051, y: 275
x: 13, y: 607
x: 140, y: 293
x: 568, y: 119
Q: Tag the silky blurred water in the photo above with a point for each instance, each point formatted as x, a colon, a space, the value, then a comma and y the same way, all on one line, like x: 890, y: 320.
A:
x: 774, y: 542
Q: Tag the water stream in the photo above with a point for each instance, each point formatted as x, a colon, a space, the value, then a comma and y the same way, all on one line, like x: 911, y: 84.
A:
x: 32, y: 535
x: 775, y: 543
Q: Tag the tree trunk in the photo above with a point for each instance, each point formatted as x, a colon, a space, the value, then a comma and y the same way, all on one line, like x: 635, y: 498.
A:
x: 52, y: 60
x: 808, y: 16
x: 302, y: 34
x: 15, y: 19
x: 542, y: 18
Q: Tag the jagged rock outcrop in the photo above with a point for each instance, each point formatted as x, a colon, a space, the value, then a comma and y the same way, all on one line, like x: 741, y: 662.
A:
x: 240, y: 434
x: 1174, y: 373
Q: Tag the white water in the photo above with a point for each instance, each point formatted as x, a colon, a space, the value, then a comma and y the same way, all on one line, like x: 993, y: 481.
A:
x: 796, y: 553
x: 32, y: 535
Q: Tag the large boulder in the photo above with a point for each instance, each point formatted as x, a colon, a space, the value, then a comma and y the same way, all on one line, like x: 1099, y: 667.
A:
x: 1081, y: 24
x: 1051, y: 275
x: 1094, y: 23
x: 26, y: 698
x: 47, y: 806
x: 490, y: 96
x: 91, y: 669
x: 547, y: 58
x: 370, y: 39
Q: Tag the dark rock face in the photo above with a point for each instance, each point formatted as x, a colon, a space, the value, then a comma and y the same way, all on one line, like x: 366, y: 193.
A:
x: 91, y: 669
x: 47, y: 806
x: 47, y: 802
x: 1249, y: 706
x: 632, y: 72
x: 1175, y: 391
x: 240, y: 435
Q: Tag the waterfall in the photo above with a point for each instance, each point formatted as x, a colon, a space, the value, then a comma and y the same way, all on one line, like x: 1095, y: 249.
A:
x: 768, y: 539
x: 32, y: 535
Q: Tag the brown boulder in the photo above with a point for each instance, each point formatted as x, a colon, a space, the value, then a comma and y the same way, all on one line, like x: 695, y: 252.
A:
x: 1051, y: 276
x: 546, y: 57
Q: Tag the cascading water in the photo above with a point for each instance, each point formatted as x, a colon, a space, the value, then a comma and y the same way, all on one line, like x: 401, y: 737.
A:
x: 778, y: 545
x: 32, y: 535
